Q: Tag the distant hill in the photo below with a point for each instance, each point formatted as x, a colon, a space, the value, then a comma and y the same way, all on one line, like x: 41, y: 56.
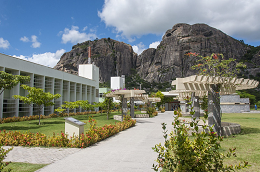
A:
x: 158, y: 67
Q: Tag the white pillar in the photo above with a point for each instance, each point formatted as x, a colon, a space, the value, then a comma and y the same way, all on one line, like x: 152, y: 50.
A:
x: 52, y: 92
x: 31, y: 84
x: 1, y: 98
x: 16, y: 91
x: 79, y: 97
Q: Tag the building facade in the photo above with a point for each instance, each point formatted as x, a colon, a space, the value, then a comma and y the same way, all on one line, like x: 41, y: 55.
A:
x: 70, y: 87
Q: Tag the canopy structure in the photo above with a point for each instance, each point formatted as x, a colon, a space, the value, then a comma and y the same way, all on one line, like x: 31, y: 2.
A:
x: 128, y: 95
x: 200, y: 85
x: 196, y: 86
x: 131, y: 95
x: 152, y: 99
x: 137, y: 94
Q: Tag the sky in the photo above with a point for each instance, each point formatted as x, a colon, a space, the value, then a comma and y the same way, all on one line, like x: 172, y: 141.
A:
x: 41, y: 31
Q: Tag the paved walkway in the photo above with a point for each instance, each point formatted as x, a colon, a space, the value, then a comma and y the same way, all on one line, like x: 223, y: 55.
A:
x: 129, y: 150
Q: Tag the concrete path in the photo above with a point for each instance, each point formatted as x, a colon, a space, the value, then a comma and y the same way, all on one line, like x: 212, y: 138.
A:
x: 38, y: 155
x: 129, y: 150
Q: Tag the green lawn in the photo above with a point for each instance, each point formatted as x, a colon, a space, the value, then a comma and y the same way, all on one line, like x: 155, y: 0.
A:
x: 23, y: 167
x: 247, y: 143
x: 55, y: 125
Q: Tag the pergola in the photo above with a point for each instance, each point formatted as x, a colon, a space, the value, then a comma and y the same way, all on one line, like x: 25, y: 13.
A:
x: 131, y: 95
x: 197, y: 86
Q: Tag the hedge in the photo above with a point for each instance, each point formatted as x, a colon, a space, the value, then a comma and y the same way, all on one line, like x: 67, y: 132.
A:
x: 35, y: 117
x: 94, y: 135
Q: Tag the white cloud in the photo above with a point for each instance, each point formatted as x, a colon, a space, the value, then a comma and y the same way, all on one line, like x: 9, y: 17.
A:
x: 154, y: 44
x: 46, y: 59
x: 35, y: 43
x: 74, y: 36
x: 139, y: 48
x: 238, y: 18
x: 24, y: 39
x: 4, y: 43
x: 85, y: 28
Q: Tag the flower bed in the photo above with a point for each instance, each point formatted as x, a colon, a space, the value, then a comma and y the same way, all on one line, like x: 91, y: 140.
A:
x: 94, y: 135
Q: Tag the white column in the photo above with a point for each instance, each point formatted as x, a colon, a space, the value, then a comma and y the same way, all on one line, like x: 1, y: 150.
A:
x: 1, y: 98
x: 31, y: 84
x: 52, y: 92
x: 43, y: 87
x: 60, y: 92
x: 80, y: 95
x: 90, y: 94
x: 16, y: 91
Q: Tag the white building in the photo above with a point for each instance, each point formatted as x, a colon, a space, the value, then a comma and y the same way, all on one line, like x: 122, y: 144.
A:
x: 117, y: 82
x: 71, y: 87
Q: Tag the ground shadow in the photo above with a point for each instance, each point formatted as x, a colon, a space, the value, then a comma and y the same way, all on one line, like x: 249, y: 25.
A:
x: 142, y: 121
x: 21, y: 127
x: 249, y: 130
x: 50, y: 122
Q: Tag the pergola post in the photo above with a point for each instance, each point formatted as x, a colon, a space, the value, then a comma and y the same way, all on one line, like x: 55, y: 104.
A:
x: 214, y: 118
x: 124, y: 106
x: 132, y: 109
x: 195, y: 105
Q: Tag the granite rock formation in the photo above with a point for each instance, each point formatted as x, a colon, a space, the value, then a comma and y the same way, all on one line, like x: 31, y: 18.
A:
x: 163, y: 64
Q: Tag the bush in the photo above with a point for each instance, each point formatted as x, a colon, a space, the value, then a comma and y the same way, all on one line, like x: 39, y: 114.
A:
x: 155, y: 113
x: 201, y: 153
x: 150, y: 111
x: 3, y: 153
x: 53, y: 115
x: 94, y: 135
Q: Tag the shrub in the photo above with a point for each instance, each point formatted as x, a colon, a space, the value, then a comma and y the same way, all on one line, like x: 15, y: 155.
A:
x: 94, y: 135
x: 155, y: 113
x: 150, y: 111
x: 3, y: 153
x: 53, y: 115
x: 201, y: 153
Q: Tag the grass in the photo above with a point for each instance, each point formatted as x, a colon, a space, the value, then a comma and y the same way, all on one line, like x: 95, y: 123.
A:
x: 55, y: 125
x: 247, y: 143
x: 23, y: 167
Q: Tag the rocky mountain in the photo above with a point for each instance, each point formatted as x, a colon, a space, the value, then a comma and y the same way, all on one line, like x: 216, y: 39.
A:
x: 165, y: 63
x: 112, y: 57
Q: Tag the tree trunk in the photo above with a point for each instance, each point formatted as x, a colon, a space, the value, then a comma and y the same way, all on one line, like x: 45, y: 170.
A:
x: 108, y: 109
x: 40, y: 115
x: 214, y: 117
x: 132, y: 109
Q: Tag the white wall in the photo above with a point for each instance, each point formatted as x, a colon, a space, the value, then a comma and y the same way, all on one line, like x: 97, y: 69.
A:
x: 66, y: 84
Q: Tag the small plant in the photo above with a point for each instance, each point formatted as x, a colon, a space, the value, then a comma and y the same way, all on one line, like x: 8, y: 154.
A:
x: 150, y: 111
x: 199, y: 153
x: 3, y: 153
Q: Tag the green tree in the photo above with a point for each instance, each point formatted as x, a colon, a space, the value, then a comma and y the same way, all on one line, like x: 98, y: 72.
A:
x: 84, y: 104
x: 37, y: 97
x: 108, y: 105
x: 8, y: 81
x: 99, y: 105
x: 244, y: 94
x: 70, y: 105
x: 216, y: 65
x: 60, y: 110
x: 160, y: 95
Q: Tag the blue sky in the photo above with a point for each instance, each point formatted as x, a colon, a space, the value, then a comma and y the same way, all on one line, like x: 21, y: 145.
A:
x: 41, y: 31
